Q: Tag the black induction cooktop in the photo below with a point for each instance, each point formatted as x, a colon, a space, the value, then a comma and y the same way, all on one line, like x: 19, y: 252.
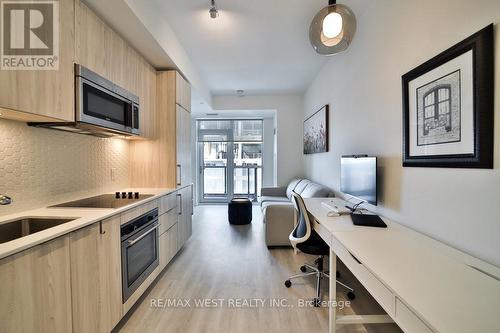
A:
x: 103, y: 201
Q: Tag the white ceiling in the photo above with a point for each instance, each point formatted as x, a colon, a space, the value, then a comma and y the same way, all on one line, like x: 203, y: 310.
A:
x: 260, y: 46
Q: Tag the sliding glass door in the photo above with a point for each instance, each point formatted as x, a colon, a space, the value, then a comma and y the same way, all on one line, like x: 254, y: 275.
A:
x: 230, y: 159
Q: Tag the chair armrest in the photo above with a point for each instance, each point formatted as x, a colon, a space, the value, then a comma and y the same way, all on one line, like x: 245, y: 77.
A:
x: 273, y: 191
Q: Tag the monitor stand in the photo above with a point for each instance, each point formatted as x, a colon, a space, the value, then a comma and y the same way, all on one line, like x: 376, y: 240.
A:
x: 367, y: 220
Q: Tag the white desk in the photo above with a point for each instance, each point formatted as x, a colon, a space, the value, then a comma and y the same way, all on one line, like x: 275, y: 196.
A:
x: 424, y: 285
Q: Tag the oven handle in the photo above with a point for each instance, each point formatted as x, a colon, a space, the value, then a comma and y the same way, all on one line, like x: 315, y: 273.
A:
x: 132, y: 242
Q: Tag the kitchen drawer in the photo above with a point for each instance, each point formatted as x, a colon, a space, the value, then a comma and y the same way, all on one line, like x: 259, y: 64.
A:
x: 377, y: 289
x: 408, y: 321
x: 167, y: 203
x: 138, y: 211
x: 167, y: 220
x: 168, y: 246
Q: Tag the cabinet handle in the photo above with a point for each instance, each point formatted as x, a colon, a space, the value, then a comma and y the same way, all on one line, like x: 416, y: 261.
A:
x: 180, y: 203
x: 101, y: 231
x: 179, y: 174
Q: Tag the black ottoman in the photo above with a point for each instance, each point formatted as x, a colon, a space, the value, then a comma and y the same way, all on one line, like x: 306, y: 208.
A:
x: 240, y: 211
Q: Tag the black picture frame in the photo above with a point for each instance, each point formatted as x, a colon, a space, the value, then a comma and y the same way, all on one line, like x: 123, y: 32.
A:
x: 482, y: 46
x: 324, y: 146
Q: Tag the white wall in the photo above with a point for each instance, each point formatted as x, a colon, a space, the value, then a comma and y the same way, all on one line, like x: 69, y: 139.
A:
x: 289, y: 121
x: 363, y: 87
x: 39, y: 167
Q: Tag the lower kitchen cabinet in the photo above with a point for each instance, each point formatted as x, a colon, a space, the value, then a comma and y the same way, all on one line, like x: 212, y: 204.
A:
x: 35, y: 289
x: 185, y: 196
x: 96, y: 276
x: 168, y: 245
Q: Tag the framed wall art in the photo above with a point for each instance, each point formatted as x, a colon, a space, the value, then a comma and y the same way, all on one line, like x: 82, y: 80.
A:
x: 448, y: 107
x: 316, y: 132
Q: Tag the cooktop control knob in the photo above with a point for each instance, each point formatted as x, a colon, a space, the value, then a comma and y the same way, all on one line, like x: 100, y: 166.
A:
x: 124, y: 195
x: 130, y: 195
x: 136, y: 195
x: 117, y: 195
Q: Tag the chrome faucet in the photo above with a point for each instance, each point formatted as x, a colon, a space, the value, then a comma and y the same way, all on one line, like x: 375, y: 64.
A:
x: 5, y: 200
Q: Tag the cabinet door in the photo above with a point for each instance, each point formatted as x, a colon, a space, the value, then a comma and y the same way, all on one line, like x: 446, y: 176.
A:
x: 102, y: 50
x: 182, y: 92
x: 185, y: 214
x: 44, y: 93
x: 168, y: 245
x: 35, y: 289
x: 96, y: 276
x: 183, y: 153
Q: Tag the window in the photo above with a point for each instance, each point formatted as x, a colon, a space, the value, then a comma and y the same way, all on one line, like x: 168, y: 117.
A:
x: 437, y: 108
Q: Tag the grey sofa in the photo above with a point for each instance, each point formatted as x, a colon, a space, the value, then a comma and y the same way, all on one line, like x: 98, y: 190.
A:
x: 277, y: 208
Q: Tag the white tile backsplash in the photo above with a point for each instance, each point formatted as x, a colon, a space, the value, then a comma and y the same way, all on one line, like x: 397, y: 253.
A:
x: 39, y: 166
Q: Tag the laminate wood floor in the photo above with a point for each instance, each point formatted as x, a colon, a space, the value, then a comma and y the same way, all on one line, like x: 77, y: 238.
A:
x: 228, y: 264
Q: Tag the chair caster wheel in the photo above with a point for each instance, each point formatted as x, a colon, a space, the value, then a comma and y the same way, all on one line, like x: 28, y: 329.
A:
x: 303, y: 269
x: 316, y: 302
x: 288, y: 283
x: 351, y: 295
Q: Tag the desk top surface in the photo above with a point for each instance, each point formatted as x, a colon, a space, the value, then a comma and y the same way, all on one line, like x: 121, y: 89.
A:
x: 439, y: 283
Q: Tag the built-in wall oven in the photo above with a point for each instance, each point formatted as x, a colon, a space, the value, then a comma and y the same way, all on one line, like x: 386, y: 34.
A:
x: 140, y: 251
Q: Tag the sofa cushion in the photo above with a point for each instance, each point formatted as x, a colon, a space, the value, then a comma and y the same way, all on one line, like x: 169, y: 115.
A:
x: 273, y: 199
x: 266, y: 204
x: 302, y: 186
x: 315, y: 190
x: 291, y: 186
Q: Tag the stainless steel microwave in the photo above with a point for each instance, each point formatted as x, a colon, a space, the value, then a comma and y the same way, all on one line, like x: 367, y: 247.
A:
x: 101, y: 102
x: 102, y: 108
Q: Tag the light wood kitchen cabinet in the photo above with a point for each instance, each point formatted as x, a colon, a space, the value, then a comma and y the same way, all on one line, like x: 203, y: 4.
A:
x: 182, y: 92
x: 35, y: 289
x: 147, y: 98
x: 43, y: 95
x: 183, y: 147
x: 102, y: 50
x: 185, y: 225
x: 168, y: 245
x: 165, y: 161
x: 96, y: 276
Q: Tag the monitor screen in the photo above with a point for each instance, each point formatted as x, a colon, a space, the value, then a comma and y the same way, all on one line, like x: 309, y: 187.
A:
x: 358, y: 178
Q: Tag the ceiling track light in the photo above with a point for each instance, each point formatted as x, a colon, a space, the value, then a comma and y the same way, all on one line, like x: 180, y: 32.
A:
x: 332, y: 29
x: 214, y: 13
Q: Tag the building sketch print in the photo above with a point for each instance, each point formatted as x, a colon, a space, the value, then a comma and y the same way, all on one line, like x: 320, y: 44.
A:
x: 438, y: 111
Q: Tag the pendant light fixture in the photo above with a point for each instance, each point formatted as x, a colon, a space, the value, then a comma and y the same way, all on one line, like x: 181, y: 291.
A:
x: 213, y: 12
x: 332, y: 29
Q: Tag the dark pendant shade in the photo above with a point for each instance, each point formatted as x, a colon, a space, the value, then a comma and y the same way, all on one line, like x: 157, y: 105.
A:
x: 334, y: 34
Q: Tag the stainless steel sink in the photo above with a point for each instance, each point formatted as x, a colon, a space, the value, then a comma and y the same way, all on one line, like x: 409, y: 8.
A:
x: 28, y: 226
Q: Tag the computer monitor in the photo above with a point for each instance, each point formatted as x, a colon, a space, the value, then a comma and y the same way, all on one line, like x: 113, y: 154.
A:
x: 358, y: 177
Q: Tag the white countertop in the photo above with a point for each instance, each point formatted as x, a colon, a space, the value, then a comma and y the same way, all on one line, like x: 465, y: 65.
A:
x: 83, y: 217
x: 444, y: 286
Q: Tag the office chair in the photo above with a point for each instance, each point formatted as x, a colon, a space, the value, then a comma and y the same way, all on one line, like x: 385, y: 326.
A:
x: 305, y: 239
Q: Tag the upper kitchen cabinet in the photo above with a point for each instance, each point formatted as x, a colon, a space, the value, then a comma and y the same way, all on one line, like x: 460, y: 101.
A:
x: 182, y: 92
x: 102, y: 50
x: 43, y: 95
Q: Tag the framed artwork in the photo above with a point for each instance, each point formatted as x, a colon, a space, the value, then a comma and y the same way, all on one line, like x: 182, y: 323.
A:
x: 316, y: 132
x: 448, y: 107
